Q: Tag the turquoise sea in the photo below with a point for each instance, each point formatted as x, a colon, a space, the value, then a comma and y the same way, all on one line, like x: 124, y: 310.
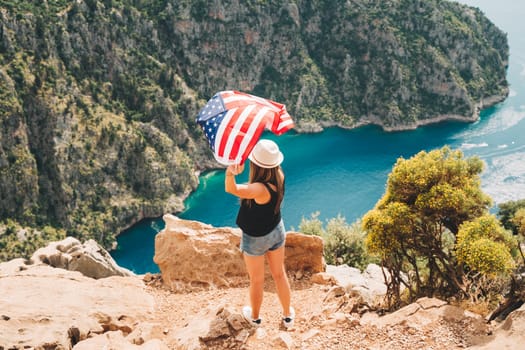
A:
x: 345, y: 171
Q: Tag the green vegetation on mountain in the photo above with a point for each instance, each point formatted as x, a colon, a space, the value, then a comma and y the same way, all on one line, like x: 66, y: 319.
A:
x: 98, y: 97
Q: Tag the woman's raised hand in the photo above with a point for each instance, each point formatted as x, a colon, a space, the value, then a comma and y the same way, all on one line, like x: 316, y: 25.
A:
x: 235, y: 169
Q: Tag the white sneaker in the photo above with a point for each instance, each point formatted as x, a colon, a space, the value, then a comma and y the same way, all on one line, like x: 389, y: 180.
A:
x: 247, y: 313
x: 288, y: 320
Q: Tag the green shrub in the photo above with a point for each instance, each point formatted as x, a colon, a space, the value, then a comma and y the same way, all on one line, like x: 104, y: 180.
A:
x: 312, y: 226
x: 487, y: 257
x: 343, y: 243
x: 519, y: 221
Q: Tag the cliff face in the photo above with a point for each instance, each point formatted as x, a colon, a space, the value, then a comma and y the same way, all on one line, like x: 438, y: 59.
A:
x: 98, y: 98
x: 392, y: 63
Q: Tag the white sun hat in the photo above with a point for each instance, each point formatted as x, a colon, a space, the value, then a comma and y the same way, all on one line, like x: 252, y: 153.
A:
x: 266, y: 154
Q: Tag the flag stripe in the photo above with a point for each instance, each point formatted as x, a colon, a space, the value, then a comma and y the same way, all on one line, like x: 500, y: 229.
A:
x: 221, y: 138
x: 249, y: 142
x: 284, y: 126
x: 238, y: 132
x: 249, y: 139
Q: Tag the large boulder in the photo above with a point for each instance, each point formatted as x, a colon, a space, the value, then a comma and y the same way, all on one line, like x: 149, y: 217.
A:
x: 89, y: 258
x: 369, y: 284
x: 42, y: 307
x: 304, y: 253
x: 192, y: 255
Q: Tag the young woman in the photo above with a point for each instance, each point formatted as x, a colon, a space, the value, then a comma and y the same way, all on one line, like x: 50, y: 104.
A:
x: 262, y: 227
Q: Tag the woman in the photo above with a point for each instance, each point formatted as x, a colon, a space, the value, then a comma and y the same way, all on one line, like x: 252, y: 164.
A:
x: 262, y: 227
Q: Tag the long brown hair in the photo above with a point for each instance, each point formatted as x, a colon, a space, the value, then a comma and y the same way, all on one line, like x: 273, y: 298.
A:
x: 267, y: 175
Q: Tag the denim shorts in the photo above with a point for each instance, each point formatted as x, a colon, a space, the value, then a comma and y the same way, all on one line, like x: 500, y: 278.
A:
x: 257, y: 246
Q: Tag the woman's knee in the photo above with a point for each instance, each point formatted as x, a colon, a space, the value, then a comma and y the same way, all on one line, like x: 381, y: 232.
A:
x: 279, y: 274
x: 257, y: 279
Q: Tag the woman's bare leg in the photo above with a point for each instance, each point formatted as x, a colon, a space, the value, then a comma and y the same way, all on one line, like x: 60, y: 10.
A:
x: 276, y: 263
x: 255, y: 267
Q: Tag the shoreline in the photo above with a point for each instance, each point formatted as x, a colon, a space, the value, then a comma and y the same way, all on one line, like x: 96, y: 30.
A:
x: 484, y: 103
x: 318, y: 127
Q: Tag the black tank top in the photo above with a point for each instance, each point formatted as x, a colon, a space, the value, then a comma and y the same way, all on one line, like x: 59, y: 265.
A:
x: 259, y: 219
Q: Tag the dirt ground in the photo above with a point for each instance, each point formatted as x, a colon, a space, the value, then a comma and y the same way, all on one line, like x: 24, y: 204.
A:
x: 315, y: 327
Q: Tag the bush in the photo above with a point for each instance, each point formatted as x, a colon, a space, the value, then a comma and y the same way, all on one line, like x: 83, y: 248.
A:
x: 484, y: 246
x: 312, y: 226
x: 506, y: 213
x: 519, y: 221
x: 343, y: 243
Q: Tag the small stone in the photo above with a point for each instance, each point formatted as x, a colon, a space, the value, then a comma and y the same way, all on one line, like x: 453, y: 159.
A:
x: 283, y: 339
x: 242, y: 336
x: 329, y: 323
x: 236, y: 321
x: 260, y: 334
x: 323, y: 278
x: 334, y: 292
x: 310, y: 334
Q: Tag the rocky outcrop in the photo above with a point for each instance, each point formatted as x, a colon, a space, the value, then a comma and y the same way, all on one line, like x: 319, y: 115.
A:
x: 43, y: 307
x: 193, y: 255
x: 88, y: 258
x: 428, y: 314
x: 369, y: 284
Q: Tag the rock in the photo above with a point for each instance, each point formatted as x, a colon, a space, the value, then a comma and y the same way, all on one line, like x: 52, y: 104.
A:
x: 329, y: 323
x: 48, y: 307
x: 13, y: 266
x: 214, y: 329
x: 196, y: 255
x: 423, y: 312
x: 369, y: 285
x: 310, y: 334
x: 283, y: 340
x: 188, y: 337
x: 334, y: 293
x: 430, y: 313
x: 507, y: 334
x: 323, y: 278
x: 216, y: 260
x: 117, y: 340
x: 304, y: 253
x: 90, y: 259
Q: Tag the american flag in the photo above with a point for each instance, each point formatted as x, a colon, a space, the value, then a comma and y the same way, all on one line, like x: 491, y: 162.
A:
x: 233, y: 121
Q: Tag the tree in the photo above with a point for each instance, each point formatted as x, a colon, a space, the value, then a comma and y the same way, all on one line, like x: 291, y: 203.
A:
x: 507, y: 212
x: 518, y: 220
x: 414, y: 226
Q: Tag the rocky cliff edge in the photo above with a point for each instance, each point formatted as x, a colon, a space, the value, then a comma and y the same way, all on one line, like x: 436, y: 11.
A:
x: 46, y: 307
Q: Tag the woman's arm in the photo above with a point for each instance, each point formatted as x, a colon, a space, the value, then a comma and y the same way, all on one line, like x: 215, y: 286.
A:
x: 255, y: 191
